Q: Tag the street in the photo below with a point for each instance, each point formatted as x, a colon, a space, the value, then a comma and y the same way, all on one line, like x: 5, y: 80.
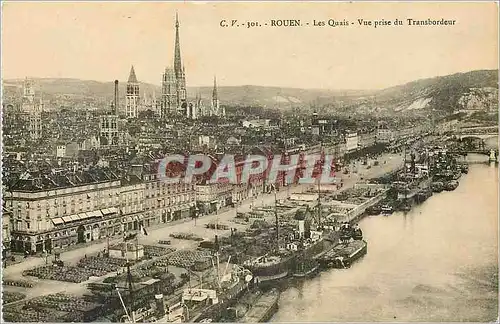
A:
x: 42, y: 287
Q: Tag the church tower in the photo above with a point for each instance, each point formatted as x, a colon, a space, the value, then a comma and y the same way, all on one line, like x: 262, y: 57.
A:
x: 108, y: 124
x: 132, y: 96
x: 215, y: 100
x: 180, y: 73
x: 32, y: 110
x: 168, y: 105
x: 173, y: 94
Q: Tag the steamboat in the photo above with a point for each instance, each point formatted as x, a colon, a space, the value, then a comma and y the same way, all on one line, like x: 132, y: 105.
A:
x: 306, y: 268
x: 283, y: 261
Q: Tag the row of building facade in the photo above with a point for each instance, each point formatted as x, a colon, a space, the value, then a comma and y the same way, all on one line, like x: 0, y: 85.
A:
x: 68, y: 207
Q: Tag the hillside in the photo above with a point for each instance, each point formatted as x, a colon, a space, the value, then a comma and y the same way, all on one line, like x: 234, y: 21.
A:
x: 471, y: 90
x: 272, y: 97
x: 248, y: 95
x: 74, y: 87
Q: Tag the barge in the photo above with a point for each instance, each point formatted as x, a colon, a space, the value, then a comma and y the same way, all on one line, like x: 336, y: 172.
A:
x: 344, y: 255
x: 263, y: 308
x: 451, y: 185
x: 437, y: 186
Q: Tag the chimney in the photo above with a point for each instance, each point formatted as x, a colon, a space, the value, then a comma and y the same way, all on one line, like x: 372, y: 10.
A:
x: 301, y: 228
x: 115, y: 106
x: 160, y: 305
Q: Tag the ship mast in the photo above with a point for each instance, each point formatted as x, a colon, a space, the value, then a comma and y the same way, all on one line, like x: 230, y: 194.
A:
x: 319, y: 187
x: 123, y: 304
x: 277, y: 223
x: 130, y: 293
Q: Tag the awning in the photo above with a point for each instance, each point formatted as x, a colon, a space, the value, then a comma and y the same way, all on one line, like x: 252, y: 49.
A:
x: 105, y: 211
x: 84, y: 215
x: 91, y: 214
x: 97, y: 213
x: 74, y: 218
x: 67, y: 219
x: 57, y: 221
x: 113, y: 210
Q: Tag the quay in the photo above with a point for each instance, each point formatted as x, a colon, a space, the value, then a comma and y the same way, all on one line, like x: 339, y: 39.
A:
x: 43, y: 289
x: 188, y: 269
x: 245, y: 232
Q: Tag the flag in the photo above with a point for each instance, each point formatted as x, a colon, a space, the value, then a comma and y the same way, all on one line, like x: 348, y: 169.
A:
x: 143, y: 231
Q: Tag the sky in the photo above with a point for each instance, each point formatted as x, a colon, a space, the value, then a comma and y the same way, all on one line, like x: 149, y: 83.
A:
x: 101, y: 40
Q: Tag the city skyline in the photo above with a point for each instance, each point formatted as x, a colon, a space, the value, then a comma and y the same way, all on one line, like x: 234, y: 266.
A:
x: 108, y: 38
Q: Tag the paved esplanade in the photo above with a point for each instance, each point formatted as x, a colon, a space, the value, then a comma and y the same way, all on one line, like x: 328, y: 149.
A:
x: 392, y: 161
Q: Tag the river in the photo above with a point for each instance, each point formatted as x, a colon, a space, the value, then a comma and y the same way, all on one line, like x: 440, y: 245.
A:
x: 437, y: 262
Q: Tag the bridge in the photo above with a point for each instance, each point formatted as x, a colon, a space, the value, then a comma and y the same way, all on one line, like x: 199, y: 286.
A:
x: 477, y: 135
x: 479, y: 140
x: 481, y: 132
x: 473, y: 151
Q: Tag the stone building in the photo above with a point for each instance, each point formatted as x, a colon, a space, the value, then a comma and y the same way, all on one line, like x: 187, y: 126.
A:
x: 132, y: 96
x: 164, y: 202
x: 63, y: 209
x: 6, y: 217
x: 108, y: 124
x: 32, y: 110
x: 173, y: 97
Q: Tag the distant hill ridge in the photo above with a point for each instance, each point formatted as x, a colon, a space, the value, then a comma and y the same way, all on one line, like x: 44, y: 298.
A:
x: 443, y: 92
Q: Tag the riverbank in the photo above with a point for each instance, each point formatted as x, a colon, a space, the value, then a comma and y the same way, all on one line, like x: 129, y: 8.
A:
x: 42, y: 287
x: 415, y: 269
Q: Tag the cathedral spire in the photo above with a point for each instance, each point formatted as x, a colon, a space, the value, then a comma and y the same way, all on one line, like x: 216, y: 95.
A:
x: 177, y: 53
x: 132, y: 78
x: 214, y: 93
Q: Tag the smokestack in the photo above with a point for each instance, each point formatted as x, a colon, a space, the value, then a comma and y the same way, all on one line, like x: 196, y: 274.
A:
x: 115, y: 106
x: 160, y: 305
x: 301, y: 228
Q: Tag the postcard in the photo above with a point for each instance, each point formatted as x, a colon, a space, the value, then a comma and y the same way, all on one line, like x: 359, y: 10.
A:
x: 249, y: 161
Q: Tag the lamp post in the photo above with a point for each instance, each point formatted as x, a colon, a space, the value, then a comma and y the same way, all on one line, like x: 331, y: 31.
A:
x: 196, y: 210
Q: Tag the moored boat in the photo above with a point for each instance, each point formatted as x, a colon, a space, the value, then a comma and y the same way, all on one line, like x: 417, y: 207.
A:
x: 387, y: 210
x: 263, y: 308
x: 343, y: 255
x: 457, y: 175
x: 451, y: 185
x: 423, y: 195
x: 374, y: 210
x: 269, y: 267
x: 405, y: 207
x: 437, y: 186
x: 306, y: 268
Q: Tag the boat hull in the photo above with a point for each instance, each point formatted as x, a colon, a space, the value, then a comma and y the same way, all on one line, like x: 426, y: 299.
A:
x: 263, y: 309
x: 344, y: 256
x: 284, y: 268
x: 306, y: 274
